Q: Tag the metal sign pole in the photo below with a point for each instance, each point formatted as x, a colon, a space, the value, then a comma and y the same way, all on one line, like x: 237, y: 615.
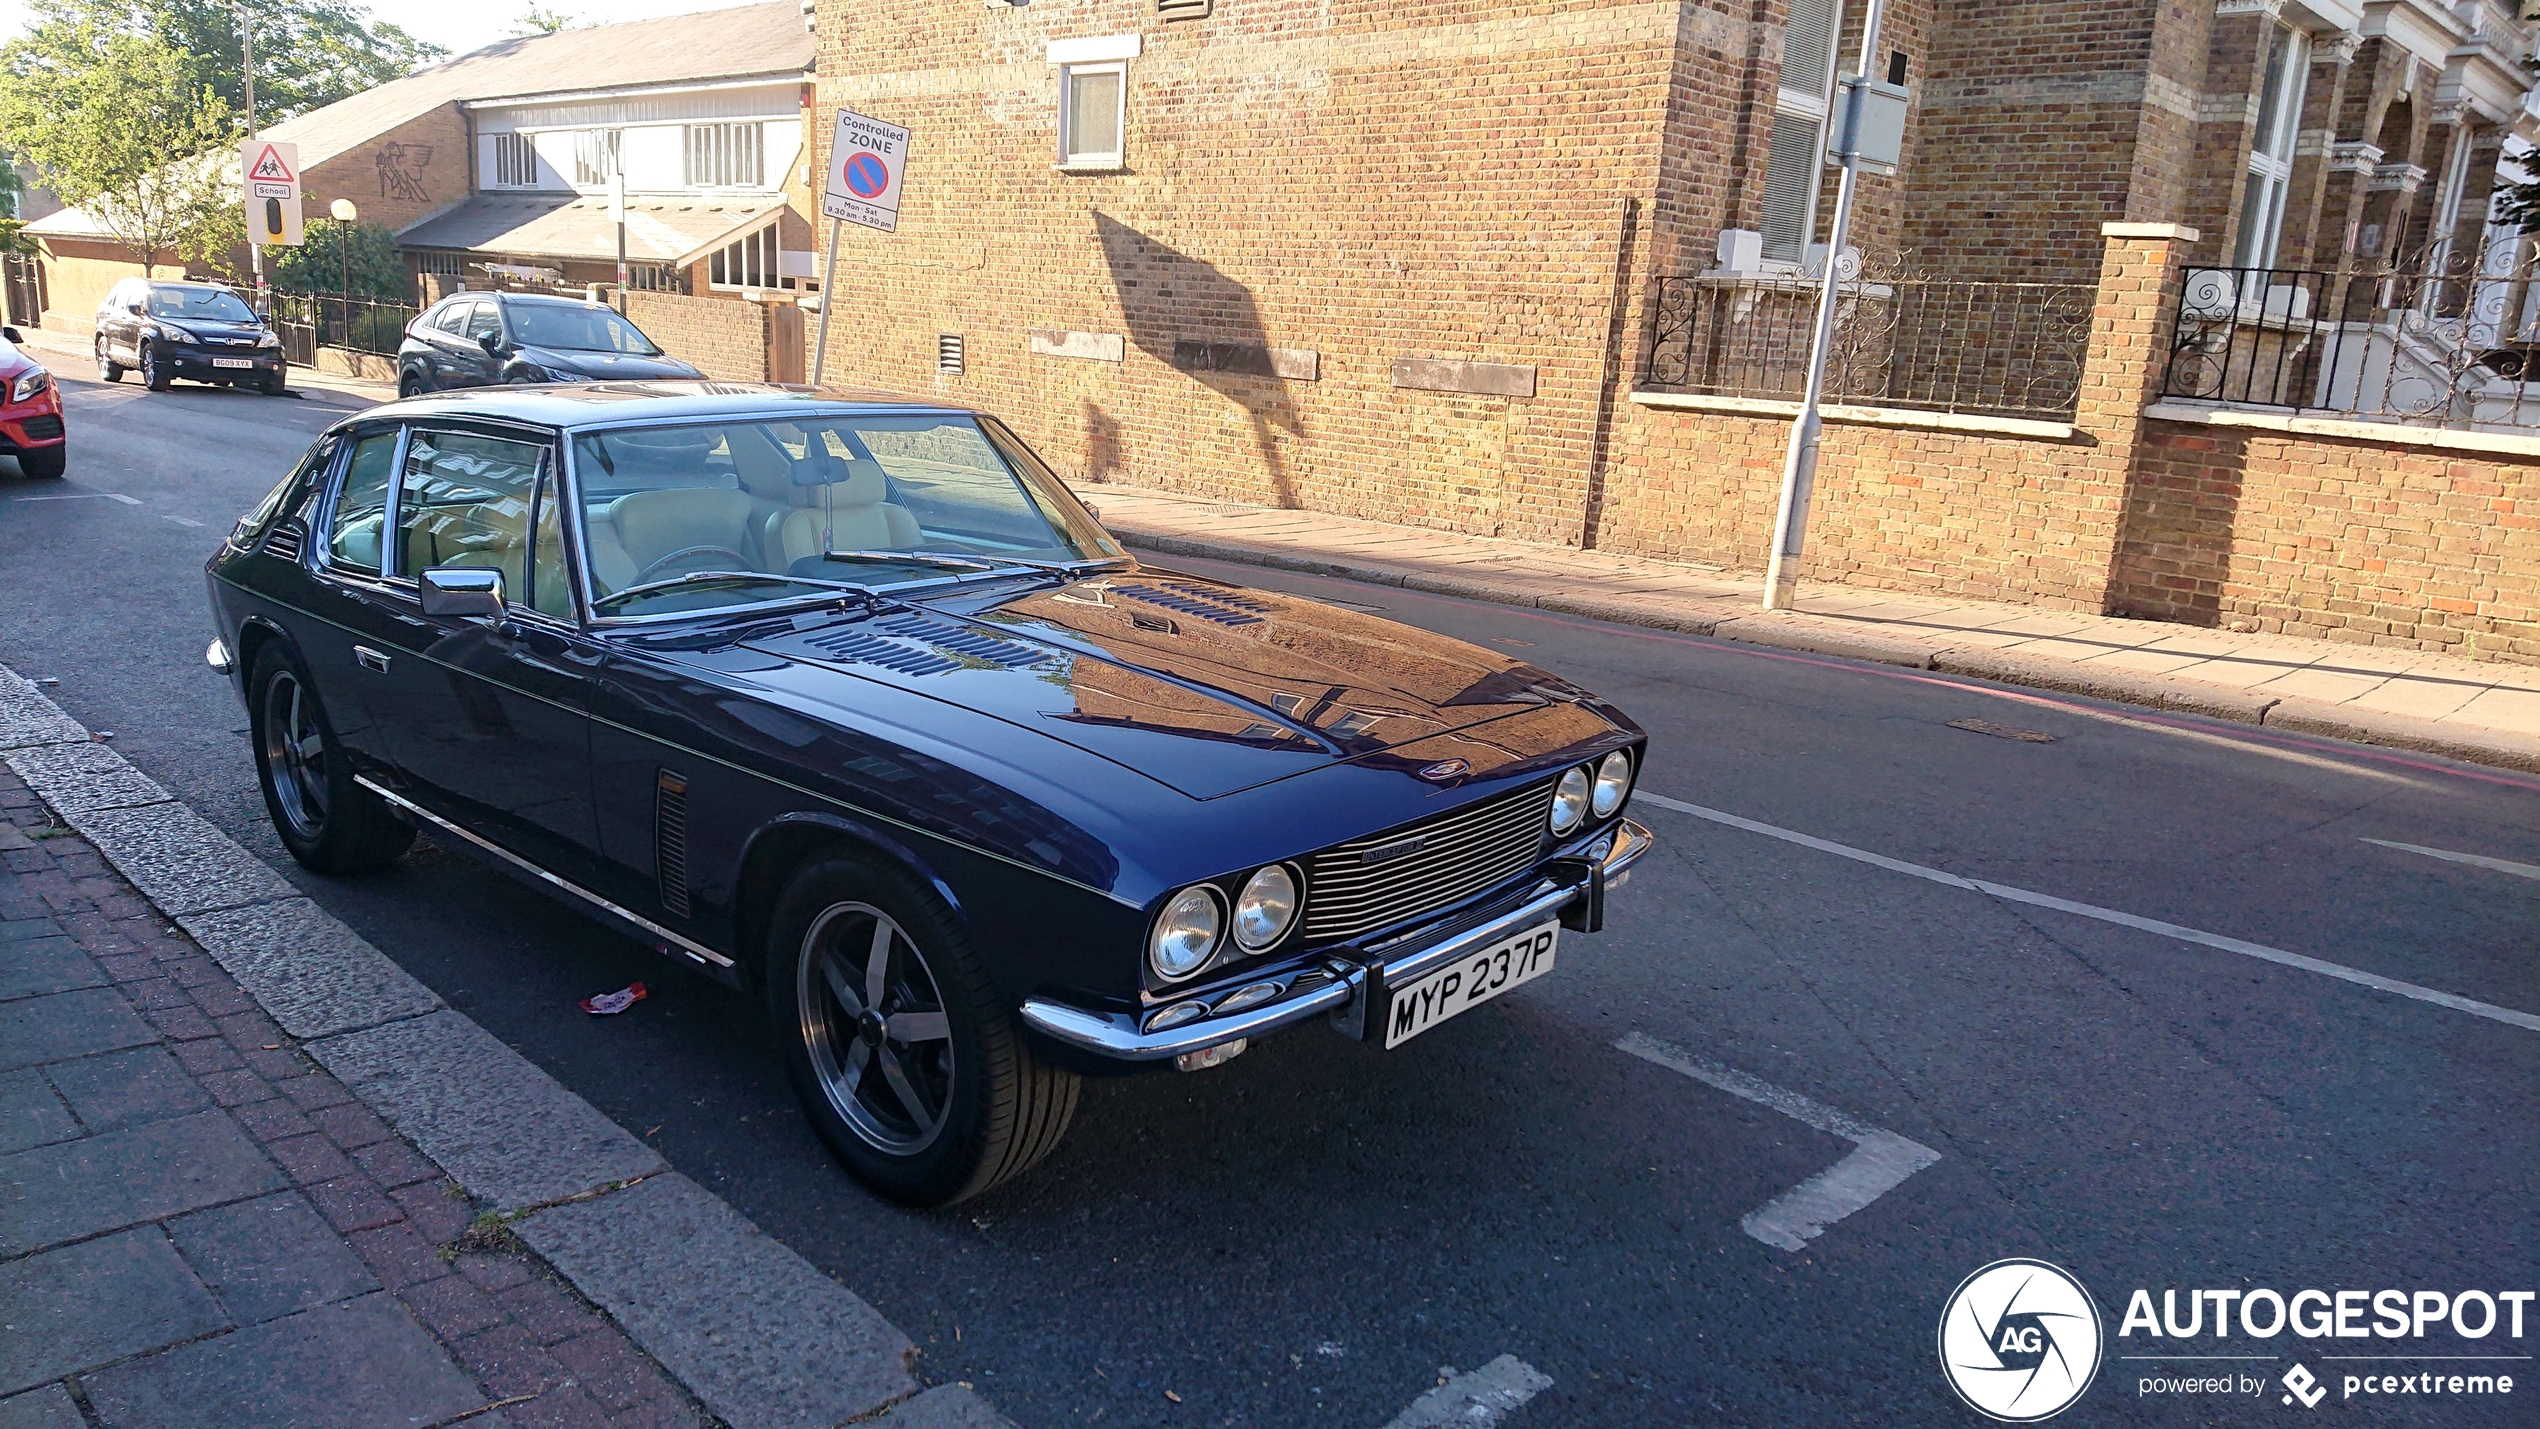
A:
x: 828, y: 289
x: 1799, y: 472
x: 255, y: 251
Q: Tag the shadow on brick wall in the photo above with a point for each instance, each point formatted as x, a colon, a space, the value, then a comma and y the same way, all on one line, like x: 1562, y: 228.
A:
x: 2173, y: 553
x: 1176, y: 305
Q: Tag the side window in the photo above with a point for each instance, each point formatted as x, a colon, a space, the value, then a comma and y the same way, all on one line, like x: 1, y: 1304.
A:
x: 352, y: 534
x: 550, y: 589
x: 484, y: 322
x: 464, y: 501
x: 453, y: 316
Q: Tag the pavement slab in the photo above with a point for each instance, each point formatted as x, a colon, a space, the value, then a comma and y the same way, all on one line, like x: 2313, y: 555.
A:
x: 93, y: 1303
x: 311, y: 974
x: 270, y: 1257
x: 78, y: 778
x: 31, y: 1113
x: 40, y: 965
x: 127, y: 1088
x: 46, y: 1408
x: 179, y: 861
x: 763, y: 1338
x: 486, y: 1114
x: 348, y: 1366
x: 34, y: 1030
x: 70, y: 1189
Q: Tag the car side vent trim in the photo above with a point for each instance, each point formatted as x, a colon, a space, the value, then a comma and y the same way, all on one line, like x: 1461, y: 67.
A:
x: 285, y: 542
x: 914, y: 644
x: 670, y: 841
x: 1206, y: 605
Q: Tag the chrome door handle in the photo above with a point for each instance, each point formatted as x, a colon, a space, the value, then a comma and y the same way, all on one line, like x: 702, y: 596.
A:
x: 371, y: 659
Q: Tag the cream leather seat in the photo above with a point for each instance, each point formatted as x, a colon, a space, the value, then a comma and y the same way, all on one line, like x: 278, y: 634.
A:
x: 850, y: 501
x: 643, y: 528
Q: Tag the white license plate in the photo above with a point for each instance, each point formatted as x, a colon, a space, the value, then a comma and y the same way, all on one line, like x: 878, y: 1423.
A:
x: 232, y: 362
x: 1469, y: 981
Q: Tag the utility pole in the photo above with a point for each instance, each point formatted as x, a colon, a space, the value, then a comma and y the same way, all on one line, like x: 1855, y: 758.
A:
x: 255, y: 251
x: 1799, y: 472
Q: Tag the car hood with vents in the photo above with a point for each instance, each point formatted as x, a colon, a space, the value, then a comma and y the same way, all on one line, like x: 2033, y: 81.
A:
x: 1206, y: 687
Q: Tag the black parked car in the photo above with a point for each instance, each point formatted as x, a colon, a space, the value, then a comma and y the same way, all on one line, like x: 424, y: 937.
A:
x: 200, y: 331
x: 852, y: 703
x: 485, y: 339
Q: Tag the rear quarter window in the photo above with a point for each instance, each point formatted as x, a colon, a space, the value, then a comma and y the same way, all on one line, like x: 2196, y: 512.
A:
x: 287, y: 493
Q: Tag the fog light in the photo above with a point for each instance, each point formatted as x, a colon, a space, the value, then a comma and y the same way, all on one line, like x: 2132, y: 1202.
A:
x: 1176, y: 1015
x: 1217, y: 1056
x: 1252, y: 995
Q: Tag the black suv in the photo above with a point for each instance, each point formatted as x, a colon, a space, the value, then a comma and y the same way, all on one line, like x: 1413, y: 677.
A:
x: 483, y: 339
x: 202, y: 331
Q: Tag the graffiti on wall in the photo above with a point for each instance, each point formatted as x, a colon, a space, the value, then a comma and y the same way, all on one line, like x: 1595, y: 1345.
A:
x: 401, y: 169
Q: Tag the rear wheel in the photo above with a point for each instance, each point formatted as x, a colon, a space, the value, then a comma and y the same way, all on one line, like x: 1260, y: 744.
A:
x: 108, y: 370
x: 154, y: 369
x: 411, y: 385
x: 330, y: 824
x: 45, y: 463
x: 906, y: 1060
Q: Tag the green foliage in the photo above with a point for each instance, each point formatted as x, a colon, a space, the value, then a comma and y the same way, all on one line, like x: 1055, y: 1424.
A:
x: 11, y: 188
x: 546, y: 20
x: 119, y: 127
x: 309, y: 53
x: 2519, y: 205
x: 365, y: 254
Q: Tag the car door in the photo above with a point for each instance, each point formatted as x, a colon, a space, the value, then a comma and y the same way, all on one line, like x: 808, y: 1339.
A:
x: 340, y: 646
x: 115, y: 320
x: 446, y: 335
x: 486, y: 717
x: 479, y: 368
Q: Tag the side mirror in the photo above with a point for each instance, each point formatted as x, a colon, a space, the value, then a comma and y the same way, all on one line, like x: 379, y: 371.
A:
x: 10, y: 335
x: 492, y: 343
x: 461, y: 591
x: 133, y: 308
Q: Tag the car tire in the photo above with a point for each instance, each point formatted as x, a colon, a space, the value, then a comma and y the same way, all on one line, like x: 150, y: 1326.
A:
x: 331, y: 824
x: 275, y: 386
x: 108, y: 370
x: 411, y: 385
x: 154, y: 373
x: 995, y: 1108
x: 45, y: 463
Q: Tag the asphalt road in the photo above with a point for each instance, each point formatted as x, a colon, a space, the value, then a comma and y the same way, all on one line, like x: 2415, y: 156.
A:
x: 1311, y: 1233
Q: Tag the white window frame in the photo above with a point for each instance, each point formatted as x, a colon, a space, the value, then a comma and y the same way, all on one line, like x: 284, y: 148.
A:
x: 749, y: 261
x: 515, y: 161
x: 2269, y: 175
x: 723, y: 144
x: 1099, y: 54
x: 597, y: 153
x: 1807, y: 109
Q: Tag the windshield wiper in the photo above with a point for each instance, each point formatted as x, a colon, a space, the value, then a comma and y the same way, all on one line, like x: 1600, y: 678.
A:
x: 726, y: 578
x: 948, y: 561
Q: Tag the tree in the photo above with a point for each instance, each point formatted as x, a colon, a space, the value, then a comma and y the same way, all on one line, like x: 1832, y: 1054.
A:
x: 309, y: 53
x: 544, y: 20
x: 119, y: 128
x: 332, y: 253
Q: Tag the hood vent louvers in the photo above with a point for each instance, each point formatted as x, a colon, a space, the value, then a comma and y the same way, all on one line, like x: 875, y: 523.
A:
x: 1224, y: 608
x: 915, y: 644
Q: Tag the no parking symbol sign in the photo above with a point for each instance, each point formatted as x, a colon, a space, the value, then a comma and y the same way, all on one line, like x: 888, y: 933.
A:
x: 865, y: 158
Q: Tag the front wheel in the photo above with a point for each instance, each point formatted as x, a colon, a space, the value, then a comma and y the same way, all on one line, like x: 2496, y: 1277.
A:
x: 154, y: 369
x: 274, y: 386
x: 906, y: 1060
x: 331, y: 824
x: 45, y: 463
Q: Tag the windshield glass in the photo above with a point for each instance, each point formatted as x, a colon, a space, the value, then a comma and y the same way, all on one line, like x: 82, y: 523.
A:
x: 575, y: 328
x: 206, y: 305
x: 773, y: 497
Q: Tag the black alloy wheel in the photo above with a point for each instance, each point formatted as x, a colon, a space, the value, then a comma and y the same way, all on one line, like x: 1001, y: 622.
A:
x: 154, y: 369
x: 108, y: 370
x: 331, y: 824
x: 903, y: 1056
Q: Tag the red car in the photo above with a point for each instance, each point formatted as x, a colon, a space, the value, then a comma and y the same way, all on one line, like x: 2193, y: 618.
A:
x: 30, y: 412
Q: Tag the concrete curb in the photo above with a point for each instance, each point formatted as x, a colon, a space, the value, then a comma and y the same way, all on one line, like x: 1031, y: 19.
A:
x: 757, y: 1333
x: 1800, y: 633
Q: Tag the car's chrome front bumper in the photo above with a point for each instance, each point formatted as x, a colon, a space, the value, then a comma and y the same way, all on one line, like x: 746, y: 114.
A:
x: 1341, y: 986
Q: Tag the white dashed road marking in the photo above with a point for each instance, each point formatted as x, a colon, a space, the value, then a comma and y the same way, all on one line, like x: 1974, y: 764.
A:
x: 2519, y: 870
x: 85, y: 496
x: 1879, y: 1163
x: 2008, y: 894
x: 1478, y: 1399
x: 181, y: 521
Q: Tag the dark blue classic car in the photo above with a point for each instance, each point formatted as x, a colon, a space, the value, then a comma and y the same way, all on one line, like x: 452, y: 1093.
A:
x: 849, y: 700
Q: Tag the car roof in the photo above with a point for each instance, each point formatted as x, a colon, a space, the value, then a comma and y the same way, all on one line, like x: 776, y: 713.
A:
x: 589, y: 405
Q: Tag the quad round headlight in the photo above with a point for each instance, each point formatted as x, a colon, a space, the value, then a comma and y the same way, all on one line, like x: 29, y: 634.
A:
x: 1570, y: 801
x: 1186, y: 932
x: 1613, y: 781
x: 1265, y: 909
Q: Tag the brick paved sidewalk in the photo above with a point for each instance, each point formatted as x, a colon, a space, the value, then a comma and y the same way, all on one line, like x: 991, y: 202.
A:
x: 198, y: 1226
x: 2483, y: 710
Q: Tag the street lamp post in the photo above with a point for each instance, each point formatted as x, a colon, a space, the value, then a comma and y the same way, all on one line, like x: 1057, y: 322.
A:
x: 344, y: 213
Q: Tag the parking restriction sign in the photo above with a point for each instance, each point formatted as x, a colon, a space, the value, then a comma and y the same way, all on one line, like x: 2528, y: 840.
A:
x: 864, y: 172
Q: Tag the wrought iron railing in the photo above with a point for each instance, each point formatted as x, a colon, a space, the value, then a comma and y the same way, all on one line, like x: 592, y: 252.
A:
x: 309, y: 321
x: 1901, y: 339
x: 2437, y: 338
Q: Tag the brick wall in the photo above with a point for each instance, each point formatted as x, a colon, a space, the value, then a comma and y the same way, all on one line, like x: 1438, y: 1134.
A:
x: 2368, y: 541
x: 724, y: 337
x: 79, y: 272
x: 417, y: 168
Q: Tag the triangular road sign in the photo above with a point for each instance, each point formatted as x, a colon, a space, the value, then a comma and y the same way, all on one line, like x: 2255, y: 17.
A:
x: 269, y: 166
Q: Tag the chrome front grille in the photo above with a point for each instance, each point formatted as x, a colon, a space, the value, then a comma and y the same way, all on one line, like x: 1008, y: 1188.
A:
x: 1385, y: 878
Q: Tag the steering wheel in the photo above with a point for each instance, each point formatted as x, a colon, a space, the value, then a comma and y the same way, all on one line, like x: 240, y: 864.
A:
x: 738, y: 562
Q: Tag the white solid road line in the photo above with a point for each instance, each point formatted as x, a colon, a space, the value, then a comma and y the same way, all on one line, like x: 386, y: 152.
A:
x: 1879, y: 1163
x: 2358, y: 976
x: 2519, y: 870
x: 1478, y: 1398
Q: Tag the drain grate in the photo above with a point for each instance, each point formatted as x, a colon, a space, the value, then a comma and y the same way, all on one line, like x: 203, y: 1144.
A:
x: 2002, y: 731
